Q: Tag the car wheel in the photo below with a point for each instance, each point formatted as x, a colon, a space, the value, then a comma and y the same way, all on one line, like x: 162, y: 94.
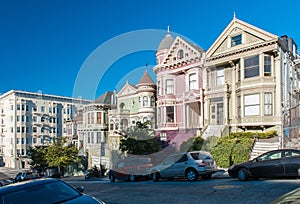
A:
x: 243, y: 174
x: 206, y: 176
x: 191, y: 175
x: 112, y: 177
x: 132, y: 178
x: 155, y: 176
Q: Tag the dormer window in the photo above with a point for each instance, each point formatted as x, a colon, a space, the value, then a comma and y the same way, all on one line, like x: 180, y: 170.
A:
x: 236, y: 40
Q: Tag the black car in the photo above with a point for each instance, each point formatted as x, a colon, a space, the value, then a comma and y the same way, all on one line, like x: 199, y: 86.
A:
x: 44, y: 191
x: 276, y: 163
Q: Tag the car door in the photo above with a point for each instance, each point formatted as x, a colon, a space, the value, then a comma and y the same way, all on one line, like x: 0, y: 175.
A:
x: 268, y: 165
x: 167, y: 167
x: 291, y: 161
x: 180, y: 166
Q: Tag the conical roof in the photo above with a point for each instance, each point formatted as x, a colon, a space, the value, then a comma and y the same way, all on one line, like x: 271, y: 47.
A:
x: 166, y: 42
x: 146, y: 79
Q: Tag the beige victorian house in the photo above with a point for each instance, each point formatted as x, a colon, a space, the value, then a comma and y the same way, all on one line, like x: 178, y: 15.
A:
x: 252, y: 83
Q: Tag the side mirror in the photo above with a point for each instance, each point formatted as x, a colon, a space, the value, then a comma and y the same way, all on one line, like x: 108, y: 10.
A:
x: 80, y: 189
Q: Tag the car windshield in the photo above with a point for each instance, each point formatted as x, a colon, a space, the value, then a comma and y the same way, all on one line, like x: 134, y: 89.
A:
x: 55, y: 192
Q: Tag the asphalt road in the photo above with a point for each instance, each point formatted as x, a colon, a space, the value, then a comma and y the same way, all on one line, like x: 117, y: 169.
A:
x: 218, y: 190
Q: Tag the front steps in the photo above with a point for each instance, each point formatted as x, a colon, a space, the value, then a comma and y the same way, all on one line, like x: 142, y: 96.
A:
x: 261, y: 147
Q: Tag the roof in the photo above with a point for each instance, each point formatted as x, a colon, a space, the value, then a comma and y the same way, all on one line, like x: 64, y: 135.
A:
x: 105, y: 98
x: 166, y: 42
x: 146, y: 79
x: 24, y: 184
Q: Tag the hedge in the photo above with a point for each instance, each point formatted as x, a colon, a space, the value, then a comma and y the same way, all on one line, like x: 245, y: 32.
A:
x: 236, y: 147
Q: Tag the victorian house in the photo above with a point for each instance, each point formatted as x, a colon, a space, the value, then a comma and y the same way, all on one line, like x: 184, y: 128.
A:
x: 134, y: 103
x: 252, y: 83
x: 180, y: 76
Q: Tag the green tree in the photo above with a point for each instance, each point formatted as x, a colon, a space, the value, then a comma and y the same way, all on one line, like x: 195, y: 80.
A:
x: 59, y: 155
x: 37, y: 155
x: 140, y: 140
x: 192, y: 144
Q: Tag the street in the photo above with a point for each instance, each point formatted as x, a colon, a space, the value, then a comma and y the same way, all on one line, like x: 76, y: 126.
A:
x: 219, y: 190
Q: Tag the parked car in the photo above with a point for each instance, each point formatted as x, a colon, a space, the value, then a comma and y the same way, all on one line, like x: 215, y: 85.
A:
x: 130, y: 168
x: 26, y: 175
x: 46, y: 191
x: 190, y: 165
x: 276, y: 163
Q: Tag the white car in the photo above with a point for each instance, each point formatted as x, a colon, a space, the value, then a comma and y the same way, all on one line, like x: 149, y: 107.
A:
x: 190, y: 165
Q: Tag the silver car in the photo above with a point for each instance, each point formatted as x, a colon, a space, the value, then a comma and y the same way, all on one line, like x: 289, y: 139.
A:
x: 190, y: 165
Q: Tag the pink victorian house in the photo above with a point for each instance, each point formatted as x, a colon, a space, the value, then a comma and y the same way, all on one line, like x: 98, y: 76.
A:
x: 179, y: 75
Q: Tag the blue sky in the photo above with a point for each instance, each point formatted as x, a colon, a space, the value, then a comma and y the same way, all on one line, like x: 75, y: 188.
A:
x: 45, y: 43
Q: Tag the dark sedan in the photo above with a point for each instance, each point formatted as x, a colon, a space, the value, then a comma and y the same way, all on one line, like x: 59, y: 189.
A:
x: 276, y: 163
x: 44, y: 191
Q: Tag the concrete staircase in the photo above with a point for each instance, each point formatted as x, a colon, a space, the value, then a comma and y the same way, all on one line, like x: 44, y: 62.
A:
x: 261, y: 147
x: 213, y: 130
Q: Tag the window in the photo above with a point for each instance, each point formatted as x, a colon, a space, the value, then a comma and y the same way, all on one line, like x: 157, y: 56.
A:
x: 145, y: 119
x: 180, y: 54
x: 145, y: 101
x: 193, y: 81
x: 220, y: 76
x: 268, y: 104
x: 239, y: 109
x: 251, y: 66
x: 163, y: 136
x: 158, y: 115
x: 169, y: 86
x: 42, y: 109
x: 267, y: 65
x: 252, y: 105
x: 152, y: 101
x: 34, y: 129
x: 170, y: 114
x: 236, y: 40
x: 99, y: 114
x: 158, y: 88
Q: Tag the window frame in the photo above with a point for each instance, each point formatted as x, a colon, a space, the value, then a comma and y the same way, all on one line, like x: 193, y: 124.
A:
x: 169, y: 86
x: 236, y: 40
x: 252, y: 105
x: 251, y: 67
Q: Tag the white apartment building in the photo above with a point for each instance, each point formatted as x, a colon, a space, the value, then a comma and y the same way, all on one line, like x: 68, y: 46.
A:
x: 31, y: 119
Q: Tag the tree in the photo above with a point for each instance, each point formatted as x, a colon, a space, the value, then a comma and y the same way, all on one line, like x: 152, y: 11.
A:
x: 140, y: 140
x: 59, y: 155
x: 37, y: 155
x: 192, y: 144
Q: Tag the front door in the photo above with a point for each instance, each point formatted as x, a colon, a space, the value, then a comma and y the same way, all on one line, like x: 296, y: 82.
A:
x: 216, y: 114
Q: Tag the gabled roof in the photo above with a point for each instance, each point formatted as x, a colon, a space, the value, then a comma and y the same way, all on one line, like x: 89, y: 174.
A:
x: 239, y: 26
x: 105, y: 98
x: 193, y: 48
x: 127, y: 89
x: 146, y: 79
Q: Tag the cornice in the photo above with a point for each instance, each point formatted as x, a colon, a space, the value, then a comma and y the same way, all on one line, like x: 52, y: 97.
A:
x: 241, y: 50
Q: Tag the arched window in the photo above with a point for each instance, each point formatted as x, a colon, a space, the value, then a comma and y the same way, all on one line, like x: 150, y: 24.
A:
x: 152, y: 101
x: 180, y: 54
x: 145, y: 119
x: 122, y: 106
x: 145, y: 101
